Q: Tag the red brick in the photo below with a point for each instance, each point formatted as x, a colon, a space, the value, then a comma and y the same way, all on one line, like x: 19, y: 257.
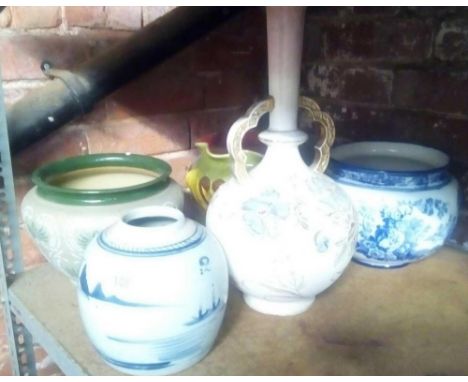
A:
x: 167, y: 88
x: 357, y: 123
x: 22, y: 54
x: 100, y: 40
x: 375, y: 11
x: 240, y: 43
x: 204, y: 124
x: 65, y: 142
x: 435, y: 12
x: 234, y: 88
x: 98, y: 114
x: 12, y: 95
x: 153, y: 13
x: 180, y: 162
x: 358, y: 84
x: 451, y: 41
x: 367, y: 85
x: 326, y: 12
x: 5, y: 18
x: 23, y: 184
x: 140, y: 135
x: 441, y: 90
x: 44, y: 364
x: 389, y: 40
x: 126, y: 18
x: 212, y: 127
x: 119, y: 18
x: 35, y: 17
x: 91, y: 17
x: 312, y: 46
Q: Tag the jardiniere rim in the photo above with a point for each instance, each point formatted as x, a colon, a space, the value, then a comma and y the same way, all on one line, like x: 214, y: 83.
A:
x: 42, y: 176
x: 436, y: 174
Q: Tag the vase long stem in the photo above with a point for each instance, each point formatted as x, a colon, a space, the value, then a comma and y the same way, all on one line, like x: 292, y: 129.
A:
x: 285, y: 27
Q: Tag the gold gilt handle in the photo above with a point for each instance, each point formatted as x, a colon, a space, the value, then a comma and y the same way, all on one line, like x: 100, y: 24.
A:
x: 250, y: 121
x: 327, y: 133
x: 237, y: 132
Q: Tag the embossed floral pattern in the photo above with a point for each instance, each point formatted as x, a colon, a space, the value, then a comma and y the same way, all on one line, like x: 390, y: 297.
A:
x: 262, y: 214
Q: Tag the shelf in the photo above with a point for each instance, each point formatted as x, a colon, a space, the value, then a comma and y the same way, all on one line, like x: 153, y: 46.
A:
x: 407, y: 321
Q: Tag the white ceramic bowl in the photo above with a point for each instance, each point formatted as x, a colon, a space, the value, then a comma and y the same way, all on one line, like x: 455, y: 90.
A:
x: 406, y: 199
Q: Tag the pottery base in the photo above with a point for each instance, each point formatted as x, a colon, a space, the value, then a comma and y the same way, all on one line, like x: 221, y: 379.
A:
x: 380, y: 265
x: 363, y: 260
x: 134, y: 369
x: 278, y: 308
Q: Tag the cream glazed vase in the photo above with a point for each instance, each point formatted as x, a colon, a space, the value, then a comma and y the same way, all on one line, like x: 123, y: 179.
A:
x: 288, y: 230
x: 75, y: 198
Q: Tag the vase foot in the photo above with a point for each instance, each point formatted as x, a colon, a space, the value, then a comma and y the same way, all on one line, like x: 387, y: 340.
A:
x: 161, y: 369
x: 278, y: 308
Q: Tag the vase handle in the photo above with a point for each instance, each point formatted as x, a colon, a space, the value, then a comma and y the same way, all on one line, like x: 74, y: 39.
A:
x: 236, y: 134
x: 327, y: 133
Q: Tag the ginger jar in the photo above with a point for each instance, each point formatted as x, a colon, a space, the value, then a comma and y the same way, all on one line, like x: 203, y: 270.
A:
x: 77, y: 197
x: 152, y: 292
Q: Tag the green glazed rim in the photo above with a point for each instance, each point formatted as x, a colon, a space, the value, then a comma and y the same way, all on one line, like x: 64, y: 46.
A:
x: 64, y: 195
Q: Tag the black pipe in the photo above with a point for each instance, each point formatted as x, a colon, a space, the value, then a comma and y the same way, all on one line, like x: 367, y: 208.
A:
x: 70, y: 95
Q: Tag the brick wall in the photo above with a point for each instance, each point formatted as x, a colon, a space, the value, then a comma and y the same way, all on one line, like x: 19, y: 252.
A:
x: 202, y: 89
x: 398, y: 73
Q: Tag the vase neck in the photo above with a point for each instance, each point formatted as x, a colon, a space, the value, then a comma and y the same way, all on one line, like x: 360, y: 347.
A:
x: 283, y: 147
x: 285, y: 27
x: 144, y: 228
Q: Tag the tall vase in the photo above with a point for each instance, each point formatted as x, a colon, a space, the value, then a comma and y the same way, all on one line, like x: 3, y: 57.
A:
x: 288, y: 230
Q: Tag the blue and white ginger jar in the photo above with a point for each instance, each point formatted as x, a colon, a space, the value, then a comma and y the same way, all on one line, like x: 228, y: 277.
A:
x: 152, y: 292
x: 407, y: 201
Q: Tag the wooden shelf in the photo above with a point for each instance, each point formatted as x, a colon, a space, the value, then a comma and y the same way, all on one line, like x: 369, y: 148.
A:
x: 407, y: 321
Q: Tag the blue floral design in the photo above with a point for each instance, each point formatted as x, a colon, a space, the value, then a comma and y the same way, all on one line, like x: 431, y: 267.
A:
x: 261, y: 214
x: 398, y: 233
x: 391, y: 180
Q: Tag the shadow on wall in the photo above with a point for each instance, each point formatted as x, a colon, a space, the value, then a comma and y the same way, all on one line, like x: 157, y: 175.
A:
x: 224, y: 73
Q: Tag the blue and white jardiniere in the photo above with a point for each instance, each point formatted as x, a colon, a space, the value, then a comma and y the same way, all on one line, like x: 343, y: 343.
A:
x: 406, y: 199
x: 152, y: 292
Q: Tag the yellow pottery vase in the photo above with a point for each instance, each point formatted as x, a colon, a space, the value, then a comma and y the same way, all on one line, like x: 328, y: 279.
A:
x: 211, y: 170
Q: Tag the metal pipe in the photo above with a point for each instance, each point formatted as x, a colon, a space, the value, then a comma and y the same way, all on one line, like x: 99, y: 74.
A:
x: 71, y: 94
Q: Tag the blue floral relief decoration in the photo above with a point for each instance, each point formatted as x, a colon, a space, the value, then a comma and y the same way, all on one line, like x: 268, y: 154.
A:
x: 262, y: 213
x: 400, y: 229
